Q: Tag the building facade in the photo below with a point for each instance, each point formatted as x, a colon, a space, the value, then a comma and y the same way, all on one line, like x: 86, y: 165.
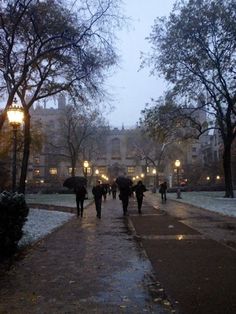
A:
x: 117, y: 156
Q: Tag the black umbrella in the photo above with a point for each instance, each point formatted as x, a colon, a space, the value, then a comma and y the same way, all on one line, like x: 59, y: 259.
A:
x: 123, y: 182
x: 73, y: 182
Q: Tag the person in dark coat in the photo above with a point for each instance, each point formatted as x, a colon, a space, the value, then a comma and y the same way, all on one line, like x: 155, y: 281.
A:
x: 114, y: 190
x: 80, y: 192
x: 162, y: 191
x: 139, y: 189
x: 125, y: 192
x: 98, y: 193
x: 105, y: 191
x: 125, y: 188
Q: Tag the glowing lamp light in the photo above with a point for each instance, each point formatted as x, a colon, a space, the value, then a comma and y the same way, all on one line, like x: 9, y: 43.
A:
x: 86, y: 164
x: 177, y: 163
x: 15, y: 114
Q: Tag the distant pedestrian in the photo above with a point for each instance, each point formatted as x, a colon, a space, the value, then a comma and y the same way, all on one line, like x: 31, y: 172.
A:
x: 109, y: 189
x: 162, y: 191
x: 81, y: 193
x: 98, y: 193
x: 139, y: 189
x: 114, y: 190
x: 105, y: 191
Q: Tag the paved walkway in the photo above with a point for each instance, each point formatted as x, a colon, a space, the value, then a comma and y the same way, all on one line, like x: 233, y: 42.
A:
x: 198, y: 273
x: 86, y: 266
x: 96, y: 266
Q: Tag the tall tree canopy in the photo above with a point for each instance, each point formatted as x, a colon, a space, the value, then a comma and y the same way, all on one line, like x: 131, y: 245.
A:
x: 195, y: 49
x: 51, y: 46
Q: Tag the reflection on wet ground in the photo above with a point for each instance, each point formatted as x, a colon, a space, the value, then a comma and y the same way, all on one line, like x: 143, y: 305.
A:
x: 124, y: 270
x: 87, y: 266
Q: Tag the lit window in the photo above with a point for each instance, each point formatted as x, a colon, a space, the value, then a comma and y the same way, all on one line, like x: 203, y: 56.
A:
x: 70, y: 170
x: 53, y: 171
x: 130, y: 169
x: 89, y: 170
x: 148, y: 169
x: 102, y: 170
x: 36, y: 172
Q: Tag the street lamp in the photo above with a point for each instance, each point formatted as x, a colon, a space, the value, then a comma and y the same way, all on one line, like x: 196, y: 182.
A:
x: 154, y: 172
x: 96, y: 174
x: 86, y: 165
x: 15, y: 116
x: 177, y: 165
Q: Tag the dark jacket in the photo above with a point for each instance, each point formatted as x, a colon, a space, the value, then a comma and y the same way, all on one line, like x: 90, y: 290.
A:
x: 139, y: 189
x: 97, y: 191
x: 114, y: 187
x: 163, y: 187
x: 80, y: 191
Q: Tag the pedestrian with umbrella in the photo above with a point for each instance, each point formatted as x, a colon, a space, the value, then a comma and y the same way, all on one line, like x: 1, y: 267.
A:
x: 77, y: 184
x: 124, y: 185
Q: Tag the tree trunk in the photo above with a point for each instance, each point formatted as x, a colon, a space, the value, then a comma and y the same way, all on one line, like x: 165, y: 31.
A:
x: 3, y: 117
x: 73, y: 170
x: 229, y: 192
x: 26, y: 153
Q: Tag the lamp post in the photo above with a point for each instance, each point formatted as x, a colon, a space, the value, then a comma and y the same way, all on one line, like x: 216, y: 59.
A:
x: 177, y: 165
x: 86, y: 165
x: 96, y: 174
x: 154, y: 172
x: 15, y: 116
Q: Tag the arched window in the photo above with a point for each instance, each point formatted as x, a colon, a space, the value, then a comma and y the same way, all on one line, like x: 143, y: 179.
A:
x: 115, y: 148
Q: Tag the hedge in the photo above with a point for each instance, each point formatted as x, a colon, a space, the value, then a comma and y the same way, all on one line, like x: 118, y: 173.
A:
x: 13, y: 215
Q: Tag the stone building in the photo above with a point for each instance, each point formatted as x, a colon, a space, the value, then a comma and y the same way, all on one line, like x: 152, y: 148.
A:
x: 117, y: 155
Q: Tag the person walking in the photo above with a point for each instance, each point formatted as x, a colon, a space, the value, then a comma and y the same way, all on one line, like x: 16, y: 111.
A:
x: 98, y: 193
x: 105, y: 190
x: 81, y: 193
x: 125, y: 187
x: 139, y: 189
x: 162, y: 191
x: 114, y: 190
x: 125, y: 192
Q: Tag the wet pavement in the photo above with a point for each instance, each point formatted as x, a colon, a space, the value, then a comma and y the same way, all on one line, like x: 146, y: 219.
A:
x: 86, y: 266
x: 174, y: 258
x: 193, y: 257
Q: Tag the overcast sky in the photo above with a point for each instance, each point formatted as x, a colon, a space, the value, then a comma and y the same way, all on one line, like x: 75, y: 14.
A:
x: 131, y: 88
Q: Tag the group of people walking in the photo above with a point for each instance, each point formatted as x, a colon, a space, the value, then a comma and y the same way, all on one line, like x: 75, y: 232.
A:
x: 100, y: 191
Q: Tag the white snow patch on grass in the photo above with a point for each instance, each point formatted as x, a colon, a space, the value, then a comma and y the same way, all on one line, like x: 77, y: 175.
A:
x: 40, y: 223
x: 213, y: 201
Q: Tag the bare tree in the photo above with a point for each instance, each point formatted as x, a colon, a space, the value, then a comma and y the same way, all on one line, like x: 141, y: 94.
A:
x: 45, y: 48
x: 81, y: 129
x: 195, y: 51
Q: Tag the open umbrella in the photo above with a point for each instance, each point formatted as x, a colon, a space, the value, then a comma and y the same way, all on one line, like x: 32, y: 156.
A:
x: 73, y: 182
x: 123, y: 182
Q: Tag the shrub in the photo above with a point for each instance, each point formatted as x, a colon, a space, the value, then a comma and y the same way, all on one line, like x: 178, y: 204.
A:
x: 13, y: 215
